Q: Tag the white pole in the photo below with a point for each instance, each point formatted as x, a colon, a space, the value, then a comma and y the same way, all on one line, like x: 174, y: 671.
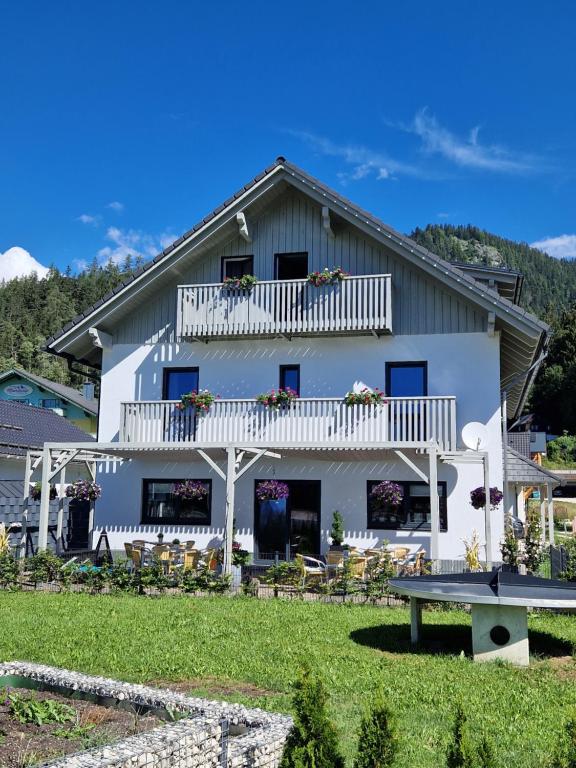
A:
x: 26, y: 500
x: 543, y: 514
x: 550, y: 500
x: 434, y: 506
x: 60, y: 521
x: 505, y: 489
x: 44, y: 499
x: 487, y: 511
x: 229, y: 516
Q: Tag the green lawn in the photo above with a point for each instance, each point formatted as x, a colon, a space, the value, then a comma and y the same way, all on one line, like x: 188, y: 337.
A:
x: 249, y: 651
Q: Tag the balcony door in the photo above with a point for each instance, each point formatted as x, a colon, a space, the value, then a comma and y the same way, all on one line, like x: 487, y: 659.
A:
x: 291, y: 527
x: 290, y: 302
x: 407, y: 380
x: 179, y: 426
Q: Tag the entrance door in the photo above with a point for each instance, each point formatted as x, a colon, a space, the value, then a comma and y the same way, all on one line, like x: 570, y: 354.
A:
x: 179, y: 426
x: 287, y: 529
x: 78, y: 523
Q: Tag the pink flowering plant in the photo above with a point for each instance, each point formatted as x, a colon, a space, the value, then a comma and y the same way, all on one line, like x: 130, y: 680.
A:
x: 365, y: 397
x: 388, y: 493
x: 478, y: 497
x: 84, y: 490
x: 278, y: 398
x: 272, y: 490
x: 200, y: 399
x: 190, y: 489
x: 244, y: 283
x: 327, y: 276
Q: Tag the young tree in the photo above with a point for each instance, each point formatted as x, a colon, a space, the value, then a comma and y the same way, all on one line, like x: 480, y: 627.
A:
x: 486, y: 757
x: 460, y: 752
x: 312, y: 741
x: 532, y: 543
x: 566, y: 754
x: 377, y: 743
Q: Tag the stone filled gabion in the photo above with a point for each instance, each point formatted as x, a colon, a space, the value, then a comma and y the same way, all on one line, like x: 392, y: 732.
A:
x: 198, y: 740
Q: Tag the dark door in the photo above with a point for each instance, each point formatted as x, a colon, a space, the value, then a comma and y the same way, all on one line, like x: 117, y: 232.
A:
x: 179, y: 426
x: 78, y: 524
x: 291, y: 266
x: 290, y: 526
x: 407, y: 380
x: 178, y: 382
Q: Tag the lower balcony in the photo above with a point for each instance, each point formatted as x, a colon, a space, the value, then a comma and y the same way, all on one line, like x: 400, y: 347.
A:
x: 308, y: 422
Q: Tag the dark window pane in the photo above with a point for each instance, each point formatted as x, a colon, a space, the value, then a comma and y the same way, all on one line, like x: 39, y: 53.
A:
x: 414, y: 511
x: 178, y: 382
x: 237, y: 267
x: 406, y: 380
x: 160, y: 506
x: 290, y: 377
x: 291, y: 266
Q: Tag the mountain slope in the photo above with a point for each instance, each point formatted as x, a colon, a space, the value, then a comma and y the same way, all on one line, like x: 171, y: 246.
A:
x: 549, y: 284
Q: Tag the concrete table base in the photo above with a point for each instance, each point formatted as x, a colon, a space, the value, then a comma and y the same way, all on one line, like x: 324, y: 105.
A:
x: 500, y: 632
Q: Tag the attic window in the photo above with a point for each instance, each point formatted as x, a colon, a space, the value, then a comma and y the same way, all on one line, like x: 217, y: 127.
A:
x: 237, y: 266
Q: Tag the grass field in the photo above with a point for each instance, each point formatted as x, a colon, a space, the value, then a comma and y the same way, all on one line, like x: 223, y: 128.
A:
x: 249, y: 651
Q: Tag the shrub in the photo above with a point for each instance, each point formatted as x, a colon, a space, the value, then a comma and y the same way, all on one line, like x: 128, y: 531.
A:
x: 244, y: 283
x: 460, y: 752
x: 346, y: 582
x: 44, y: 566
x: 569, y: 573
x: 566, y: 753
x: 562, y: 450
x: 377, y: 743
x: 509, y: 547
x: 282, y: 574
x: 8, y: 570
x: 378, y: 571
x: 486, y: 757
x: 337, y: 529
x: 532, y: 556
x: 312, y: 741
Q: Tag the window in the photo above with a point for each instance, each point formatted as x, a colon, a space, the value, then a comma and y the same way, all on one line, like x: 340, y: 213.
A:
x: 291, y: 266
x: 407, y: 379
x: 161, y: 507
x: 237, y: 266
x: 179, y: 381
x: 290, y: 377
x: 412, y: 514
x: 51, y: 402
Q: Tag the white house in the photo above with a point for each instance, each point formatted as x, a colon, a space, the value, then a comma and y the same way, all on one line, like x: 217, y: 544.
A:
x: 440, y: 343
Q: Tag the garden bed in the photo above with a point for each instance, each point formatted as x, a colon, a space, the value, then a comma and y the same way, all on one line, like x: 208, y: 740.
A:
x: 39, y: 726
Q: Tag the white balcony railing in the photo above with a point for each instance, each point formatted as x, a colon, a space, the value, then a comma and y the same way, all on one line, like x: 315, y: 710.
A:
x: 322, y: 422
x: 358, y: 305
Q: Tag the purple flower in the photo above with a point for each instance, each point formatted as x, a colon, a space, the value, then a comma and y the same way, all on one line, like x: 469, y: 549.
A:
x: 272, y: 490
x: 388, y: 492
x: 190, y: 489
x: 478, y: 497
x: 84, y: 490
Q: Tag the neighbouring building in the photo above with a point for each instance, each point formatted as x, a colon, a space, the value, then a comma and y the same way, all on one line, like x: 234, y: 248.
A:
x: 440, y: 341
x: 79, y: 408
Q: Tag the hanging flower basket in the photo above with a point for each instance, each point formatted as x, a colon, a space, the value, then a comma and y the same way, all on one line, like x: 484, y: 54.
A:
x: 84, y: 490
x: 190, y: 489
x: 36, y: 492
x: 272, y: 490
x: 200, y: 399
x: 388, y: 493
x: 478, y: 497
x: 365, y: 397
x: 278, y: 398
x: 244, y: 283
x: 327, y: 276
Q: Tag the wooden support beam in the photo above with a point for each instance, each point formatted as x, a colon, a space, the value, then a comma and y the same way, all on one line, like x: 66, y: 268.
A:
x: 220, y: 472
x: 543, y: 514
x: 252, y: 461
x: 243, y: 226
x: 413, y: 467
x: 44, y: 500
x: 550, y: 503
x: 434, y: 505
x: 326, y: 223
x: 61, y: 497
x: 487, y: 512
x: 491, y: 323
x: 229, y: 513
x: 100, y: 339
x: 63, y: 462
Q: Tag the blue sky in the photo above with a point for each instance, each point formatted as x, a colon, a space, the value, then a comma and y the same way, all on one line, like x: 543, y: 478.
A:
x: 123, y: 123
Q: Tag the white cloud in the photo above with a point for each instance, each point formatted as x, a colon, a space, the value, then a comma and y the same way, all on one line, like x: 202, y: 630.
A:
x: 561, y: 247
x: 17, y: 262
x: 467, y: 153
x: 116, y: 206
x: 132, y: 242
x: 87, y: 218
x: 364, y: 162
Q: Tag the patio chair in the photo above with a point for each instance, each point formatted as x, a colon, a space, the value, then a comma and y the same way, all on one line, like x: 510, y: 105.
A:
x: 139, y: 543
x: 165, y: 555
x: 191, y: 559
x: 190, y: 545
x: 358, y: 565
x: 311, y: 568
x: 413, y: 564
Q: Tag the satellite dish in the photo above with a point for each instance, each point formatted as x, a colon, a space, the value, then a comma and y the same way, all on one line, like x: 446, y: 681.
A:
x: 475, y: 435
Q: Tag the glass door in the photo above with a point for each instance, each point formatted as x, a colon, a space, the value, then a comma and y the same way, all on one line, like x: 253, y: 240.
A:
x: 289, y: 526
x: 179, y: 426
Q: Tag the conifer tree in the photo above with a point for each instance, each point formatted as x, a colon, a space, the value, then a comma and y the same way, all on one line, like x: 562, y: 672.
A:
x: 460, y: 752
x: 377, y: 743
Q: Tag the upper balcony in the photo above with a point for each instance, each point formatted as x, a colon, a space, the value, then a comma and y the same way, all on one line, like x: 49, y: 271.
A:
x: 359, y: 305
x: 307, y: 423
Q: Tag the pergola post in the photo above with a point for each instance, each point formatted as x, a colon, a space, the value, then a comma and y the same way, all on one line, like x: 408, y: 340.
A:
x: 44, y: 499
x: 434, y: 506
x: 543, y: 514
x: 520, y: 503
x: 550, y: 504
x: 487, y: 511
x: 61, y: 497
x: 229, y: 516
x: 25, y: 505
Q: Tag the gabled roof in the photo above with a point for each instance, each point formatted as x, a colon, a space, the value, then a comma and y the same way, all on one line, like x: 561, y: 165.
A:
x: 63, y: 391
x: 523, y: 470
x: 522, y: 343
x: 25, y: 426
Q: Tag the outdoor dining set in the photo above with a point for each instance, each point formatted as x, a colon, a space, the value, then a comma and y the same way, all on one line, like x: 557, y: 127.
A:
x: 401, y: 561
x: 172, y: 556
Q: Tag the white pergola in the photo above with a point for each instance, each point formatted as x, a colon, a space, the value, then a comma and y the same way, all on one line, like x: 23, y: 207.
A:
x: 238, y: 459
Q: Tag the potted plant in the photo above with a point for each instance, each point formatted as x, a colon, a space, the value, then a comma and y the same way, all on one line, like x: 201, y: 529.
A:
x: 244, y: 283
x: 365, y: 397
x: 327, y: 277
x: 190, y: 490
x: 200, y: 399
x: 472, y: 553
x: 337, y: 532
x: 84, y: 490
x: 478, y: 497
x: 36, y: 492
x: 278, y: 399
x: 388, y: 493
